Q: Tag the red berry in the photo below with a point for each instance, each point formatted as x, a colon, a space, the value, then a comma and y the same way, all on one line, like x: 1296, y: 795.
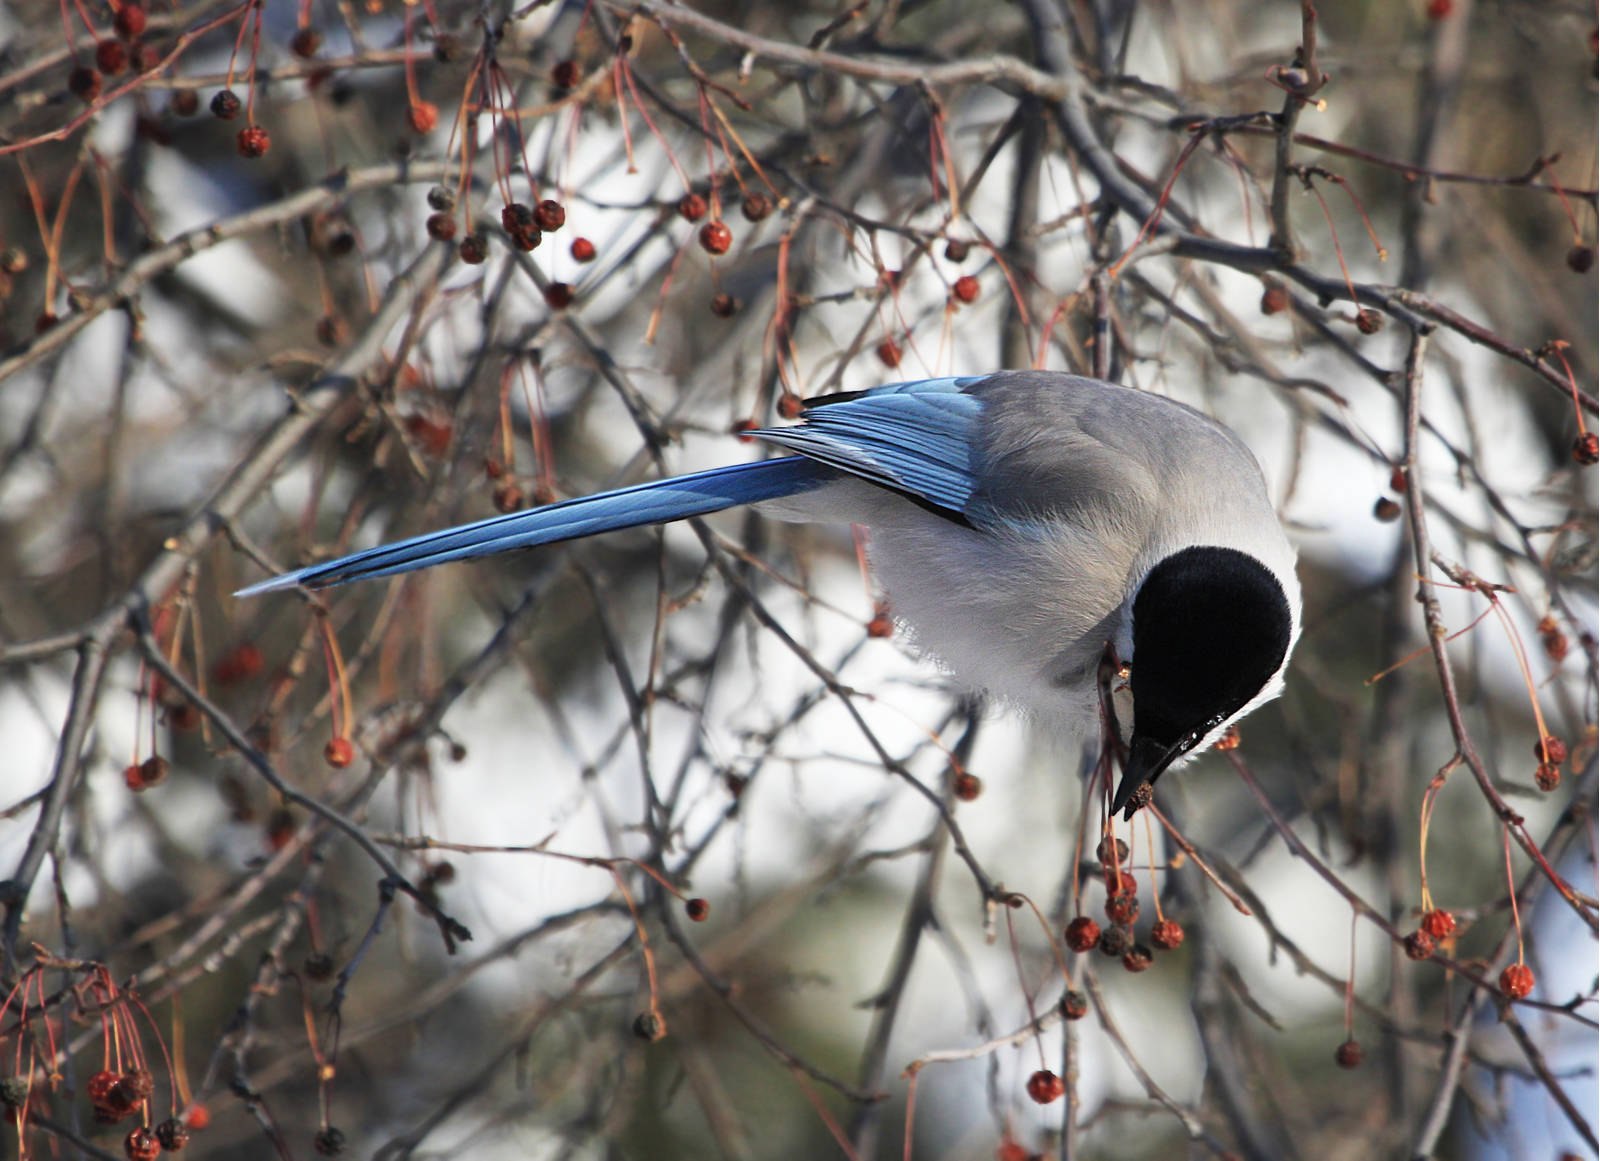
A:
x: 254, y: 141
x: 1517, y: 981
x: 1586, y: 449
x: 305, y: 43
x: 649, y: 1027
x: 966, y: 787
x: 582, y: 250
x: 1116, y: 941
x: 516, y: 217
x: 441, y: 227
x: 558, y: 295
x: 507, y: 496
x: 790, y: 405
x: 143, y: 56
x: 715, y: 237
x: 133, y: 777
x: 198, y: 1117
x: 329, y: 1142
x: 474, y: 249
x: 756, y: 207
x: 141, y: 1145
x: 1275, y: 298
x: 565, y: 74
x: 1009, y: 1150
x: 965, y: 288
x: 1138, y: 958
x: 1397, y: 480
x: 153, y: 770
x: 691, y: 207
x: 111, y: 57
x: 724, y: 305
x: 550, y: 216
x: 101, y: 1083
x: 1348, y: 1054
x: 1580, y: 259
x: 339, y: 752
x: 1167, y: 934
x: 1551, y: 749
x: 1547, y: 777
x: 84, y: 83
x: 881, y: 625
x: 1074, y: 1005
x: 130, y: 21
x: 1439, y: 924
x: 1045, y: 1086
x: 185, y: 102
x: 698, y: 910
x: 1419, y: 945
x: 173, y: 1135
x: 528, y: 239
x: 1385, y: 511
x: 423, y: 117
x: 889, y: 353
x: 1368, y: 321
x: 955, y: 250
x: 742, y: 430
x: 1122, y: 908
x: 1083, y: 934
x: 1112, y: 852
x: 240, y: 663
x: 225, y: 105
x: 1439, y: 9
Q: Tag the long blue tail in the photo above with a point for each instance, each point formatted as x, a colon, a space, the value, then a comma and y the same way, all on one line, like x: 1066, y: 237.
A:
x: 655, y: 502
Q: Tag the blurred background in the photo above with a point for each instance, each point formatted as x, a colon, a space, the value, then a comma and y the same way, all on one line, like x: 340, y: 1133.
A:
x: 270, y: 293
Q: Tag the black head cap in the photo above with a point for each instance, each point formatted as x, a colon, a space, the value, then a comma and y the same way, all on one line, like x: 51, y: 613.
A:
x: 1210, y: 628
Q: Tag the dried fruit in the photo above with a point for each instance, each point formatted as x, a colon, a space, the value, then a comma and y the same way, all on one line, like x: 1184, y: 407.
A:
x: 1420, y: 945
x: 649, y: 1026
x: 1547, y: 777
x: 1348, y: 1054
x: 1167, y: 934
x: 715, y: 237
x: 889, y: 353
x: 1368, y: 321
x: 698, y: 910
x: 441, y: 227
x: 1116, y: 941
x: 305, y: 43
x: 565, y: 74
x: 339, y: 752
x: 254, y: 141
x: 558, y: 295
x: 1586, y: 449
x: 881, y: 625
x: 1517, y: 981
x: 329, y: 1142
x: 130, y: 21
x: 955, y: 250
x: 1045, y: 1086
x: 225, y: 105
x: 1074, y: 1005
x: 84, y: 83
x: 582, y: 250
x: 1122, y: 908
x: 724, y: 305
x: 1275, y: 298
x: 423, y: 117
x: 441, y: 198
x: 965, y: 289
x: 1580, y: 259
x: 550, y: 216
x: 691, y: 207
x: 474, y: 249
x: 141, y: 1145
x: 1385, y: 511
x: 1439, y: 924
x: 111, y: 57
x: 1112, y: 852
x: 1440, y: 9
x: 507, y: 496
x: 1138, y: 959
x: 1083, y: 933
x: 967, y: 787
x: 756, y: 207
x: 153, y: 770
x: 1550, y: 749
x: 173, y: 1135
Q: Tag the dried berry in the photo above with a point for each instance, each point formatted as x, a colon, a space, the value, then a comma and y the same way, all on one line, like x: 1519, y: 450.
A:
x: 724, y: 305
x: 1122, y: 908
x: 141, y: 1145
x: 528, y: 239
x: 649, y: 1026
x: 756, y: 207
x: 1550, y: 749
x: 1083, y: 933
x: 1275, y: 298
x: 173, y: 1135
x: 558, y: 295
x: 565, y: 74
x: 1440, y: 9
x: 1397, y: 480
x: 550, y: 216
x: 698, y: 910
x: 1074, y: 1005
x: 305, y: 43
x: 441, y: 227
x: 1112, y: 852
x: 1348, y: 1054
x: 111, y: 57
x: 1547, y: 777
x: 1167, y: 934
x: 329, y: 1142
x: 254, y: 141
x: 130, y: 21
x: 84, y: 83
x: 1138, y: 959
x: 507, y: 496
x: 1439, y: 924
x: 238, y: 664
x: 965, y: 289
x: 153, y: 770
x: 339, y: 752
x: 1045, y: 1087
x: 1517, y: 981
x: 967, y: 787
x: 889, y: 353
x: 1580, y: 259
x: 955, y: 250
x: 423, y: 117
x: 880, y: 625
x: 441, y: 198
x: 474, y: 249
x: 318, y: 966
x: 715, y: 237
x: 1420, y: 945
x: 332, y: 330
x: 1368, y: 321
x: 225, y: 105
x: 1385, y: 511
x: 1116, y: 941
x: 582, y: 250
x: 691, y: 207
x: 1586, y: 449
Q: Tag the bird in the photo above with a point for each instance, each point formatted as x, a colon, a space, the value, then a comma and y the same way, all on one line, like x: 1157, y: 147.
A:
x: 1025, y: 526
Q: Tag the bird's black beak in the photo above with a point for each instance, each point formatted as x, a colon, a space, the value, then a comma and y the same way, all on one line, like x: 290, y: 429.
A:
x: 1147, y: 758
